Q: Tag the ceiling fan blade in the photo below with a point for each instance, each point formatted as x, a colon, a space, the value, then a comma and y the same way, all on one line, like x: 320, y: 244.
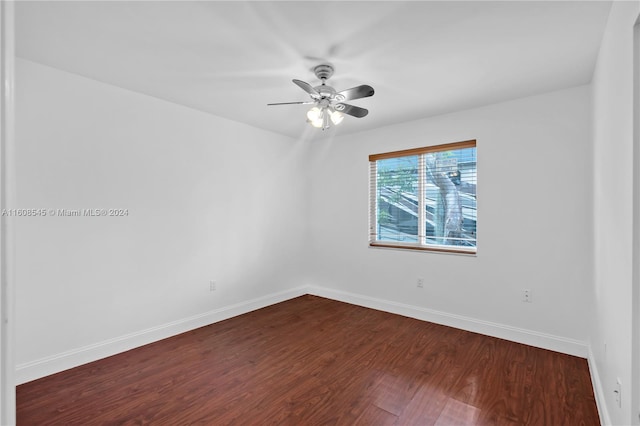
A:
x: 358, y: 92
x: 307, y: 88
x: 351, y: 110
x: 293, y: 103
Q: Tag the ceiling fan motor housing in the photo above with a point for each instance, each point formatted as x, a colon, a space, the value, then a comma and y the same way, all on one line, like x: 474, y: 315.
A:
x: 326, y: 92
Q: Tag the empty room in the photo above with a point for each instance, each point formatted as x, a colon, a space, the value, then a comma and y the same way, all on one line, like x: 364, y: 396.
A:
x: 281, y: 212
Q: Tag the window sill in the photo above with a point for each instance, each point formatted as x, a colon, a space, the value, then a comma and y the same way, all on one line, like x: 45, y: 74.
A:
x: 437, y: 249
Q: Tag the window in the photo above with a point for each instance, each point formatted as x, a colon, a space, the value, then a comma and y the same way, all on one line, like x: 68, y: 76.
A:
x: 424, y: 198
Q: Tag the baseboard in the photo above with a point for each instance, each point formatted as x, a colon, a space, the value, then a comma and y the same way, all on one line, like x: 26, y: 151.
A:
x: 29, y: 371
x: 63, y: 361
x: 598, y: 391
x: 502, y: 331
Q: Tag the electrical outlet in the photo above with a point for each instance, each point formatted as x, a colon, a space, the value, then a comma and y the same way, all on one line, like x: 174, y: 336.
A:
x: 212, y: 286
x: 420, y: 283
x: 526, y: 295
x: 618, y: 392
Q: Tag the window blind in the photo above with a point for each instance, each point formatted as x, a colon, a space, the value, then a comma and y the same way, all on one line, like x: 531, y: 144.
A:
x: 424, y: 198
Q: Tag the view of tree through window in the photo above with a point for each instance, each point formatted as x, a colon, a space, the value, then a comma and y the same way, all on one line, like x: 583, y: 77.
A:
x: 425, y: 198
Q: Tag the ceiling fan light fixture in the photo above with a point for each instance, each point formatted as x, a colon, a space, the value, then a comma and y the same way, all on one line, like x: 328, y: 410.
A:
x: 316, y: 123
x: 314, y: 114
x: 315, y: 117
x: 336, y: 117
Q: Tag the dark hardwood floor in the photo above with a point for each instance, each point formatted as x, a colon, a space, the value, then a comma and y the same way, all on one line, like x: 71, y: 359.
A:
x: 312, y: 361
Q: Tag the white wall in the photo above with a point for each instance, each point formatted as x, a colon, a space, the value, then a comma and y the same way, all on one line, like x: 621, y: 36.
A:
x: 7, y: 145
x: 534, y: 223
x: 613, y: 221
x: 208, y: 199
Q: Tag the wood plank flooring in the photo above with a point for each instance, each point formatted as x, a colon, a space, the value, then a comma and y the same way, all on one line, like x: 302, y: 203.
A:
x: 314, y: 361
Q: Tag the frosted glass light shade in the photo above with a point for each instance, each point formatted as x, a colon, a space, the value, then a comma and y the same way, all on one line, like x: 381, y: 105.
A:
x: 337, y: 117
x: 314, y: 114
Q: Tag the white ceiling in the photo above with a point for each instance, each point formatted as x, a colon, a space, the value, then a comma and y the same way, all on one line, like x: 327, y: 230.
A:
x: 232, y: 58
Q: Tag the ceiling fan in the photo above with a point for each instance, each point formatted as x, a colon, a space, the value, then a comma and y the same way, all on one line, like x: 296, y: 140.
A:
x: 329, y: 106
